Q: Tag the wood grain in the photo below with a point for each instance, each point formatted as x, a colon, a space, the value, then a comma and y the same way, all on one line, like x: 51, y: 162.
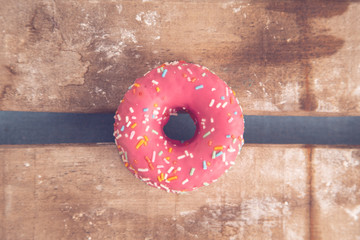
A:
x: 273, y: 192
x: 281, y: 58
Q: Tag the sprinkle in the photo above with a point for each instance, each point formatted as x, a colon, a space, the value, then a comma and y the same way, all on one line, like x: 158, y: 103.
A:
x: 162, y: 176
x: 231, y: 100
x: 128, y: 124
x: 234, y: 141
x: 211, y: 120
x: 185, y: 181
x: 131, y: 110
x: 157, y: 89
x: 164, y: 110
x: 219, y: 154
x: 224, y: 105
x: 212, y: 102
x: 224, y: 157
x: 147, y: 128
x: 235, y: 112
x: 122, y: 128
x: 232, y: 162
x: 160, y: 153
x: 155, y: 104
x: 186, y: 153
x: 133, y: 117
x: 213, y: 89
x: 164, y: 73
x: 205, y: 184
x: 155, y: 132
x: 141, y: 142
x: 230, y: 120
x: 170, y: 170
x: 181, y: 157
x: 172, y: 178
x: 199, y: 87
x: 179, y: 67
x: 203, y: 74
x: 145, y: 109
x: 143, y: 169
x: 227, y: 91
x: 222, y: 98
x: 210, y: 143
x: 188, y: 69
x: 208, y: 163
x: 218, y: 148
x: 126, y: 119
x: 192, y: 171
x: 136, y: 85
x: 170, y: 150
x: 218, y: 105
x: 159, y: 178
x: 228, y: 136
x: 134, y: 125
x: 155, y: 82
x: 153, y: 157
x: 146, y: 138
x: 204, y: 165
x: 191, y: 155
x: 160, y: 166
x: 166, y: 161
x: 212, y: 129
x: 132, y: 134
x: 206, y: 134
x: 118, y: 117
x: 213, y: 154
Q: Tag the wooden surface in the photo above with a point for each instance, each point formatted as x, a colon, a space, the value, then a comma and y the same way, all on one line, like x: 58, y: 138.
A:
x: 281, y: 57
x: 273, y: 192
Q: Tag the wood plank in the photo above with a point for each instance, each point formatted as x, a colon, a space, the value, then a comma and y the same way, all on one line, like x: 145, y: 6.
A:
x: 281, y: 58
x: 84, y: 192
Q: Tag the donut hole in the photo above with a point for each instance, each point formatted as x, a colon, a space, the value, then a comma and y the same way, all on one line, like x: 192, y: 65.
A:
x: 180, y: 126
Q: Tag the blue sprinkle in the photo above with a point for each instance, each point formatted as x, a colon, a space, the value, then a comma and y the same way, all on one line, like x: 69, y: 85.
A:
x: 222, y: 98
x: 235, y: 112
x: 145, y: 109
x: 228, y: 136
x: 164, y: 73
x: 218, y: 154
x: 153, y: 116
x: 204, y: 165
x: 198, y: 87
x: 122, y: 128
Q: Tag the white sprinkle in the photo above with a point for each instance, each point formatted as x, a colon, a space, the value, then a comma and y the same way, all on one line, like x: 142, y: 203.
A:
x: 128, y: 124
x: 118, y: 117
x: 133, y: 117
x: 178, y: 169
x: 191, y: 155
x: 212, y: 102
x: 226, y: 163
x: 237, y: 101
x: 213, y: 89
x: 132, y: 134
x: 165, y: 143
x: 144, y: 122
x: 158, y: 70
x: 189, y: 79
x: 185, y: 181
x: 163, y: 186
x: 155, y: 112
x: 181, y: 157
x: 145, y: 179
x: 139, y: 137
x: 147, y: 128
x: 231, y: 149
x: 179, y: 67
x: 153, y: 156
x: 232, y: 162
x: 118, y: 136
x: 166, y: 161
x: 203, y: 120
x: 224, y: 105
x: 161, y: 137
x: 212, y: 130
x: 188, y: 69
x: 126, y: 135
x: 223, y: 157
x: 126, y: 119
x: 131, y: 110
x: 170, y: 170
x: 211, y: 120
x: 227, y: 92
x: 159, y: 171
x: 155, y: 82
x: 186, y: 153
x: 160, y: 166
x: 218, y: 105
x: 166, y: 175
x: 230, y: 120
x: 164, y: 111
x: 143, y: 169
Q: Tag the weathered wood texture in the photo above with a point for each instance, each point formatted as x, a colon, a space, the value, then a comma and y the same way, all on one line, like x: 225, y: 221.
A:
x: 273, y: 192
x: 281, y: 57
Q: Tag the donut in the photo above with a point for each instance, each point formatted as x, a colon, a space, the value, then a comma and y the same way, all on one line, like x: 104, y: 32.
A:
x: 175, y: 165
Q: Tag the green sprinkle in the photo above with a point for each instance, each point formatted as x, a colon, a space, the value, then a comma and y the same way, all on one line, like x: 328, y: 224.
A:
x: 192, y: 171
x: 126, y: 156
x: 213, y: 154
x: 206, y: 184
x: 206, y: 134
x: 155, y: 132
x: 160, y: 153
x: 234, y: 140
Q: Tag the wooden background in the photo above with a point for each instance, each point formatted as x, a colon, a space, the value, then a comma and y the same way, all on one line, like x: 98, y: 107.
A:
x: 281, y: 57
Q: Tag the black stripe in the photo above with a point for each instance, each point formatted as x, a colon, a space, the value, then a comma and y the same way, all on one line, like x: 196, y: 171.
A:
x: 53, y: 128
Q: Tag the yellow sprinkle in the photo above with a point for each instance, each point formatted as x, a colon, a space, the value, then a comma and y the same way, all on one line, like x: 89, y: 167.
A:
x: 146, y: 138
x: 136, y: 85
x: 162, y: 176
x: 167, y: 158
x: 155, y: 105
x: 157, y: 89
x: 159, y: 178
x: 172, y: 178
x: 133, y: 126
x: 141, y: 142
x: 170, y: 150
x: 218, y: 148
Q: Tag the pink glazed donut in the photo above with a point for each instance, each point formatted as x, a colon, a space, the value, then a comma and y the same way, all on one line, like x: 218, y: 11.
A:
x: 172, y: 165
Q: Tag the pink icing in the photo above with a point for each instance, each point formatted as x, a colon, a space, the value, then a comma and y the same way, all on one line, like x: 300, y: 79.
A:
x: 169, y: 164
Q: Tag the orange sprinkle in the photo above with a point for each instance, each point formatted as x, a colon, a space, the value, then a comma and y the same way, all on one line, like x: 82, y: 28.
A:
x: 208, y: 163
x: 157, y: 89
x: 141, y: 142
x: 159, y: 178
x: 145, y: 143
x: 193, y: 79
x: 147, y: 159
x: 151, y: 166
x: 229, y: 114
x: 185, y: 75
x: 239, y: 138
x: 172, y: 178
x: 126, y: 164
x: 210, y: 143
x: 134, y: 125
x: 162, y: 176
x: 231, y: 100
x: 135, y: 161
x: 234, y: 92
x: 170, y: 150
x: 218, y: 148
x: 233, y: 136
x: 146, y: 138
x: 136, y: 85
x: 155, y: 105
x: 167, y: 158
x: 122, y: 100
x: 174, y: 162
x: 134, y: 90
